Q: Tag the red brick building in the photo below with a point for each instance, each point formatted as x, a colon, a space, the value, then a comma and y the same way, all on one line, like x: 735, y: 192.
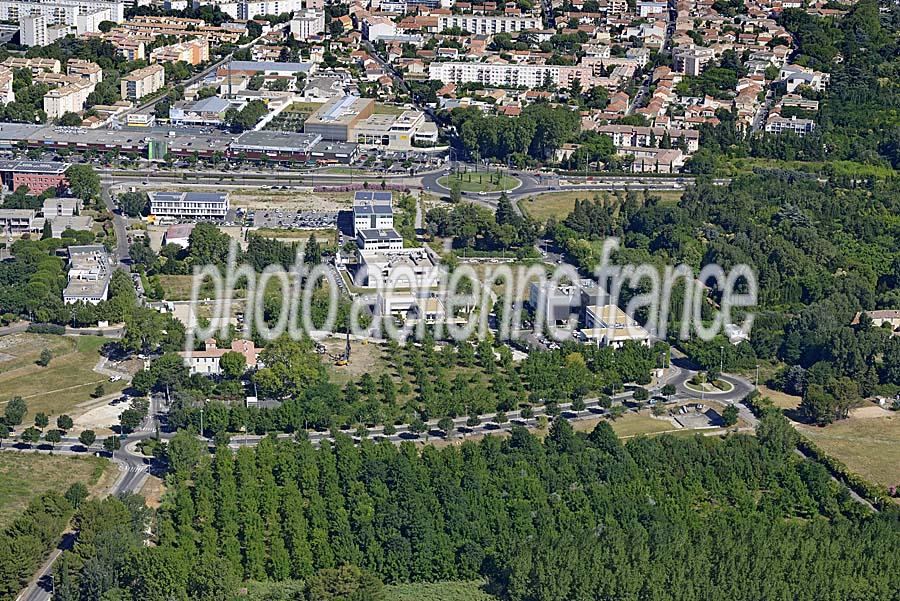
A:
x: 37, y: 175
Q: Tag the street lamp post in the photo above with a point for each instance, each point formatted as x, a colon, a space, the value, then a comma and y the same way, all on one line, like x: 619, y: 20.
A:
x: 721, y: 359
x: 757, y: 376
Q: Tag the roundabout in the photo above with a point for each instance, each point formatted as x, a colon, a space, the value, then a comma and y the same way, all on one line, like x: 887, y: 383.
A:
x: 480, y: 182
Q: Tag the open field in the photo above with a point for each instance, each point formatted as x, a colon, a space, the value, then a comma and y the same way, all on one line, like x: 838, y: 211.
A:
x: 293, y: 235
x: 24, y: 476
x: 632, y: 424
x: 559, y: 204
x: 294, y: 200
x: 869, y: 446
x: 438, y: 591
x: 364, y: 358
x: 479, y: 182
x: 780, y: 399
x: 59, y: 387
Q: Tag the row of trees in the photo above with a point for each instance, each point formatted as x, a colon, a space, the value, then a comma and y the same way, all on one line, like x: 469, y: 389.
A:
x: 574, y: 516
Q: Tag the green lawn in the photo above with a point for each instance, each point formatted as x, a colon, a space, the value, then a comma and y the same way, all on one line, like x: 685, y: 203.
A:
x: 24, y: 476
x: 480, y: 182
x: 59, y: 387
x: 558, y: 205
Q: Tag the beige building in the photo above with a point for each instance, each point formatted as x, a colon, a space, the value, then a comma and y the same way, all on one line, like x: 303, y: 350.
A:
x: 142, y: 82
x: 85, y: 69
x: 7, y: 94
x: 192, y: 52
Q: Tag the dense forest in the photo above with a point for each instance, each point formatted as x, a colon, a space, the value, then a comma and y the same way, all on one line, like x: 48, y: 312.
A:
x: 574, y: 517
x: 822, y: 250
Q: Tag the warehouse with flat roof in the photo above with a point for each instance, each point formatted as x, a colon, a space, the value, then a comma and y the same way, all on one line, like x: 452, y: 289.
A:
x: 338, y: 118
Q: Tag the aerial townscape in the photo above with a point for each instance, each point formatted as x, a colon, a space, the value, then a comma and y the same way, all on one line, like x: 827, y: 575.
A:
x: 452, y: 300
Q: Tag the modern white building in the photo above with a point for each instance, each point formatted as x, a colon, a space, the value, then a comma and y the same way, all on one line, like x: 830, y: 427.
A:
x: 189, y: 205
x: 489, y: 24
x: 776, y: 124
x: 373, y: 211
x: 89, y: 275
x: 608, y: 325
x: 380, y: 239
x: 308, y: 24
x: 376, y: 27
x: 494, y: 74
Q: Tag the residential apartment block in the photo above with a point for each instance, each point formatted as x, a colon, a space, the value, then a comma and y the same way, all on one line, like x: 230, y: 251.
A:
x: 489, y: 24
x: 495, y: 74
x: 142, y: 82
x: 307, y: 24
x: 192, y: 52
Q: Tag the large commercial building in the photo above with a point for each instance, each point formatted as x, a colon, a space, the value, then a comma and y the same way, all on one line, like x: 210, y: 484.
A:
x: 142, y: 82
x: 489, y: 24
x: 89, y: 275
x: 337, y: 119
x: 189, y: 205
x: 504, y: 75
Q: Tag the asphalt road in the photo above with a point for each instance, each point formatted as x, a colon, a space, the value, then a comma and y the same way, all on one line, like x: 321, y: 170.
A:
x: 119, y: 226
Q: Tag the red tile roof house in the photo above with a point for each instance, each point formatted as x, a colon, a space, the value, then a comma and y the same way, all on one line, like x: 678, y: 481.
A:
x: 206, y: 362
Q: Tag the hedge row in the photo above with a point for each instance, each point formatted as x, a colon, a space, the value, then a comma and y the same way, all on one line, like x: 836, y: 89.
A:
x: 876, y: 495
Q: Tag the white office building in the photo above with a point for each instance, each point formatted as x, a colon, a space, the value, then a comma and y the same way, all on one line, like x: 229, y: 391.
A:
x: 372, y: 211
x: 189, y: 205
x: 494, y: 74
x: 253, y: 8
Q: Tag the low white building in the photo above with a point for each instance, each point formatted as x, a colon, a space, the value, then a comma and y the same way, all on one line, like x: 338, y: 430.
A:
x: 379, y: 239
x: 189, y: 205
x: 89, y: 275
x: 608, y: 325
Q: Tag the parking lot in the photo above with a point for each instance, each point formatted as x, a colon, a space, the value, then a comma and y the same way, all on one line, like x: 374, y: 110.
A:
x: 292, y: 219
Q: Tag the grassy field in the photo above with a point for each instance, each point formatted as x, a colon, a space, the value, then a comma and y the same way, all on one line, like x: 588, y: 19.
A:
x: 176, y: 287
x: 438, y: 591
x: 59, y: 387
x: 868, y: 446
x: 559, y: 204
x: 480, y: 182
x: 24, y: 476
x: 323, y: 236
x: 632, y: 424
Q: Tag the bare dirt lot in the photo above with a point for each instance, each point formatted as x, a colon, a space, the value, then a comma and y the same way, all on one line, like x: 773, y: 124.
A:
x: 295, y: 200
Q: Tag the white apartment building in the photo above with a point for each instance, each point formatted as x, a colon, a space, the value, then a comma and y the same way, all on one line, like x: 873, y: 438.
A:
x: 376, y: 27
x: 33, y: 30
x: 253, y: 8
x: 189, y: 205
x: 777, y: 124
x: 62, y: 11
x: 308, y: 24
x: 692, y: 60
x: 7, y: 94
x: 495, y: 74
x: 489, y: 24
